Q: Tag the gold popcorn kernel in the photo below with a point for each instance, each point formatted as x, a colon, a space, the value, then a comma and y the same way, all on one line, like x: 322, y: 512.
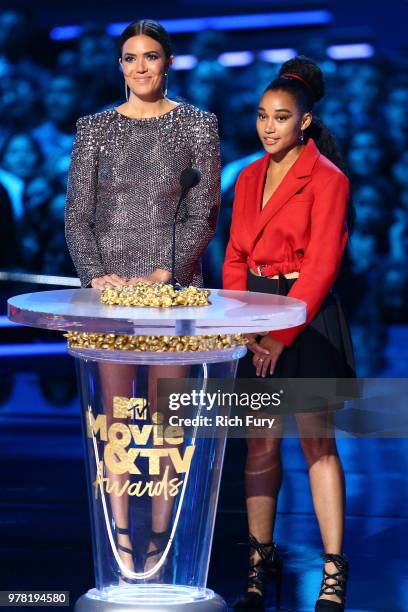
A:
x: 156, y: 295
x: 123, y: 342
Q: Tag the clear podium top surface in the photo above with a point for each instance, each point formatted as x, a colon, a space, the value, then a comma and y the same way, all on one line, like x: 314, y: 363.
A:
x: 229, y: 312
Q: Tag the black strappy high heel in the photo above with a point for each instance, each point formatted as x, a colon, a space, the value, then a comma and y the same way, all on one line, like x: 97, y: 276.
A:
x: 159, y: 539
x: 268, y: 568
x: 333, y: 584
x: 124, y: 531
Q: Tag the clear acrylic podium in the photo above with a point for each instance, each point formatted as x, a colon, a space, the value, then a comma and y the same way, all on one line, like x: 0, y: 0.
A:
x: 152, y: 488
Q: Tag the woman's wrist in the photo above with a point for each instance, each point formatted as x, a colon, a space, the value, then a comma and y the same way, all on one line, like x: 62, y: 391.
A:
x: 163, y: 276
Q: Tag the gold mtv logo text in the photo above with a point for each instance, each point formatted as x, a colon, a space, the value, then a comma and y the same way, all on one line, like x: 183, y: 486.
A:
x: 130, y: 407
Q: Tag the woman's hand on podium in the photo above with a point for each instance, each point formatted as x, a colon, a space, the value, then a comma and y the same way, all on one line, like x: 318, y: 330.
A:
x: 158, y: 276
x: 266, y: 352
x: 253, y: 345
x: 110, y: 279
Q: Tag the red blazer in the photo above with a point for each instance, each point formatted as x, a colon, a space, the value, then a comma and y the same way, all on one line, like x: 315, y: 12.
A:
x: 301, y: 228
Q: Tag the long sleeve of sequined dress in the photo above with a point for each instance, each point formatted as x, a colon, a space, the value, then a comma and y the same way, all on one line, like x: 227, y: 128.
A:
x: 81, y: 204
x: 197, y: 221
x: 123, y: 189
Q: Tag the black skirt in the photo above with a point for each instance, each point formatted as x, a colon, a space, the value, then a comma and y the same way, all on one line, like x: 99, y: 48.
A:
x: 323, y: 349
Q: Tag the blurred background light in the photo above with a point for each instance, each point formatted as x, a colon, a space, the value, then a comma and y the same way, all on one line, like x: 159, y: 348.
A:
x: 66, y: 32
x: 276, y: 56
x: 33, y: 349
x: 236, y: 58
x: 184, y: 62
x: 351, y: 51
x: 228, y: 22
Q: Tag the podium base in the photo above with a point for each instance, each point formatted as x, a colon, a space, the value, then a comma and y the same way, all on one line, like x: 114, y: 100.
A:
x: 163, y: 598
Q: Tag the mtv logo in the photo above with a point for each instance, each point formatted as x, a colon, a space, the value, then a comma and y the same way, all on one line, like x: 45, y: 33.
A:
x: 130, y: 407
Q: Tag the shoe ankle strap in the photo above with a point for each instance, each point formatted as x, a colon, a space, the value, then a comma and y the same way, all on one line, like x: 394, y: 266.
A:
x: 340, y: 561
x: 123, y: 530
x: 160, y: 540
x: 265, y: 551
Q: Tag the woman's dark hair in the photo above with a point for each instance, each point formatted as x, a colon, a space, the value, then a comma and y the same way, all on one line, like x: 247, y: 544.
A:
x: 306, y: 85
x: 151, y: 28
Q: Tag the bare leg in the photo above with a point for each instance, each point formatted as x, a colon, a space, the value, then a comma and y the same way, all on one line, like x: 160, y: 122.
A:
x: 326, y: 480
x: 263, y: 477
x: 116, y: 380
x: 161, y: 507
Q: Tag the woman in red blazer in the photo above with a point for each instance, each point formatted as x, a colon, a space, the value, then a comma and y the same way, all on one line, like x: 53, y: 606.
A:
x: 288, y: 235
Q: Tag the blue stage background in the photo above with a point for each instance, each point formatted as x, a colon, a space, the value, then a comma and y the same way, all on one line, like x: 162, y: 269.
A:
x: 59, y: 63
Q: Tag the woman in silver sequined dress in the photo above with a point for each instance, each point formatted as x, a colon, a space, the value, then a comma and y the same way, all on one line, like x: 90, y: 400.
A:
x: 123, y: 190
x: 123, y: 184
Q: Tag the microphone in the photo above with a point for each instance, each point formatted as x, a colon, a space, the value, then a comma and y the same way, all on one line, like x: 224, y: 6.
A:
x: 190, y: 177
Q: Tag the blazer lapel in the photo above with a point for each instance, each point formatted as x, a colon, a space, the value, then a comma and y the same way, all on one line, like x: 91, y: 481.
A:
x: 296, y: 178
x: 254, y: 183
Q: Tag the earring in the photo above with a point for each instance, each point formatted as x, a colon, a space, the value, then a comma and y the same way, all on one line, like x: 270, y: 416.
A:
x: 302, y: 136
x: 165, y: 83
x: 126, y: 92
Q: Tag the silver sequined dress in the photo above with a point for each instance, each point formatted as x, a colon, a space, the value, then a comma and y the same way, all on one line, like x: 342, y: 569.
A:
x: 123, y: 189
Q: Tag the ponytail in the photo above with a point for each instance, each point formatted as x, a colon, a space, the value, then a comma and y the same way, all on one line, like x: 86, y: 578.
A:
x: 327, y: 145
x: 325, y: 142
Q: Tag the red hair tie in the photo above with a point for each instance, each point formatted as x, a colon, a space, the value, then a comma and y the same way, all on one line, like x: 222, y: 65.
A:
x: 299, y: 78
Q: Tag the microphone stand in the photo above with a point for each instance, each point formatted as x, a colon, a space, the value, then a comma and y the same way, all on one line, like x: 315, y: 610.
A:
x: 173, y: 246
